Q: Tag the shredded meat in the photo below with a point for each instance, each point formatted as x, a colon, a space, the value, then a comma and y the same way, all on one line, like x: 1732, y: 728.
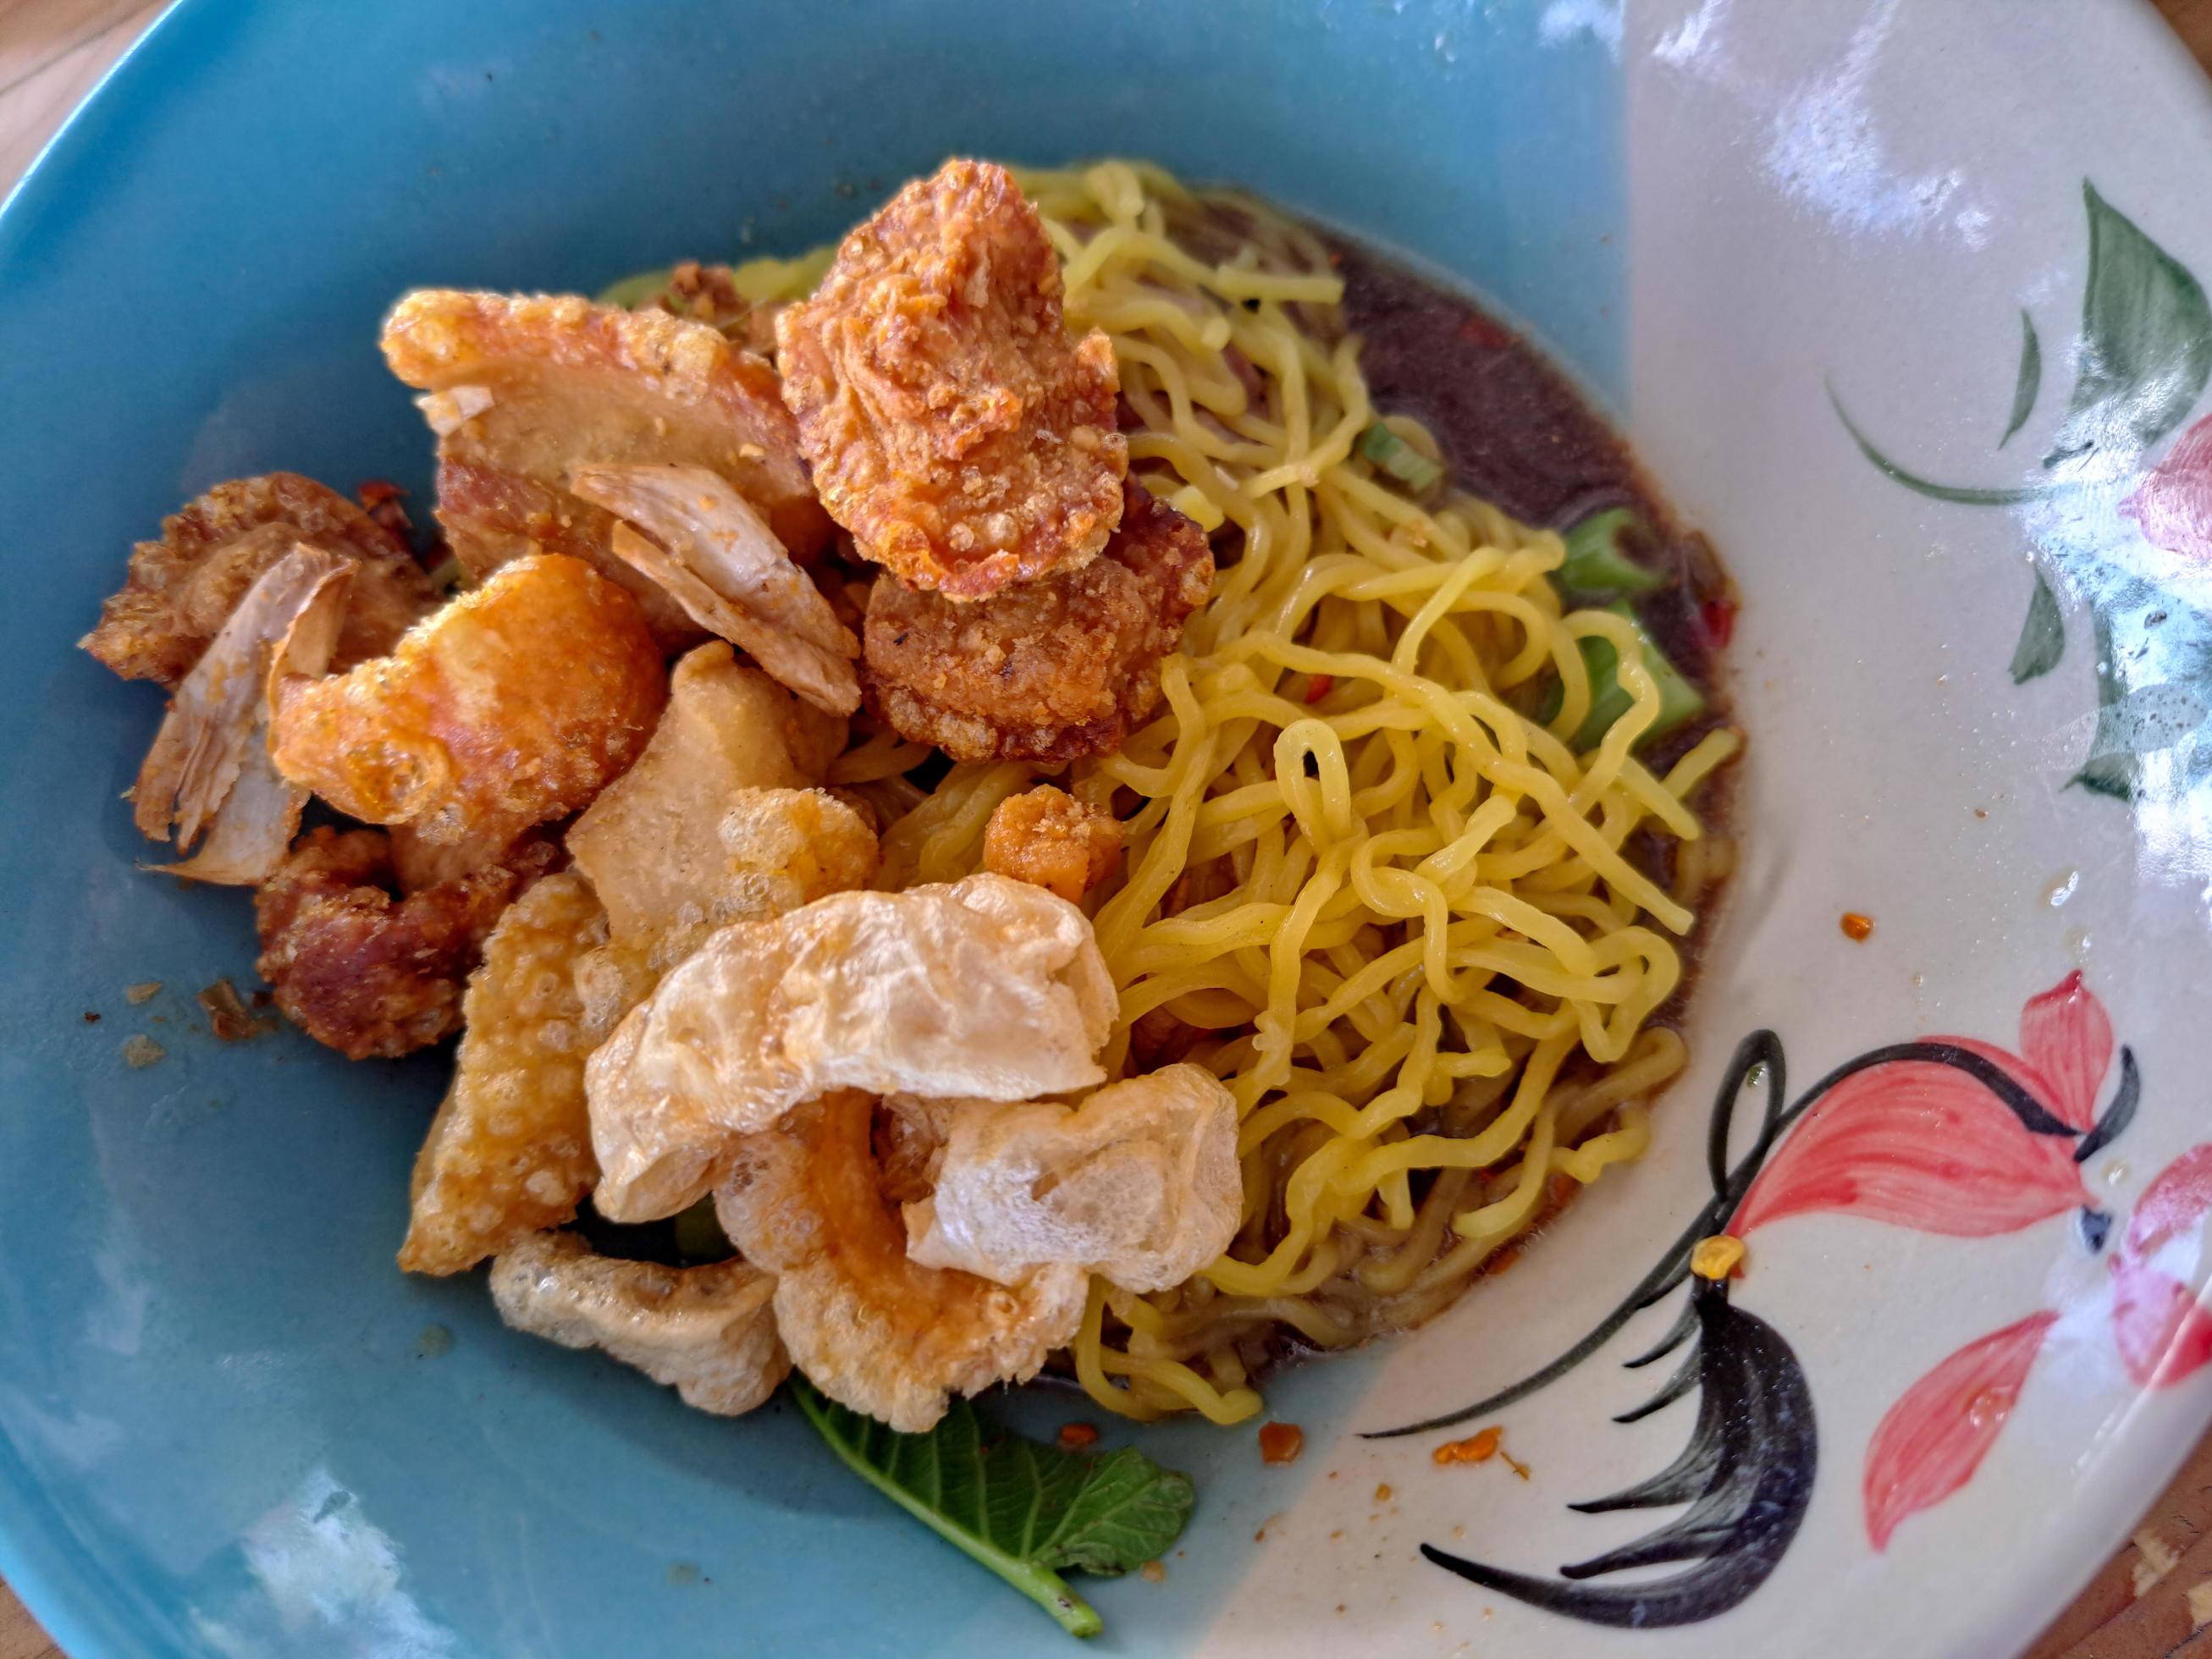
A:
x: 1048, y: 838
x: 366, y: 973
x: 952, y: 426
x: 1050, y: 670
x: 523, y: 388
x: 513, y: 705
x: 181, y: 589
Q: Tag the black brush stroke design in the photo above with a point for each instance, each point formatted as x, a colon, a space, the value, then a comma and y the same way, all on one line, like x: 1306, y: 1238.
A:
x: 1746, y: 1474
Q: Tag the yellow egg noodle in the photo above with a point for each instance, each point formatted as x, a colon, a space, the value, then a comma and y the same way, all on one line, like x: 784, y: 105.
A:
x: 1397, y: 907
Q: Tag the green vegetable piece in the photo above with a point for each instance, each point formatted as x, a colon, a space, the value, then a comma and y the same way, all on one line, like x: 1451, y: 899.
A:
x: 1678, y: 700
x: 1598, y: 561
x: 1027, y: 1511
x: 1400, y: 459
x: 633, y: 291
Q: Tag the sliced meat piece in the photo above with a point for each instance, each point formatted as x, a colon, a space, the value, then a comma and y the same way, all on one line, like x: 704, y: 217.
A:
x: 525, y: 387
x: 361, y: 971
x: 871, y: 1328
x: 513, y: 705
x: 952, y: 426
x: 709, y: 1331
x: 1050, y: 670
x: 180, y: 589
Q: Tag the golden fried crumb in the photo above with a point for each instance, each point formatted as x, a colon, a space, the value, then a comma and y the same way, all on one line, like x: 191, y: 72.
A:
x: 952, y: 426
x: 512, y: 704
x: 525, y: 387
x: 1051, y: 670
x: 1048, y: 838
x: 362, y: 971
x: 180, y: 589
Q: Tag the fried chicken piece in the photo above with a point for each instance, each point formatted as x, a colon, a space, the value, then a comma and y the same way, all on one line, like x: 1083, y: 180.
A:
x: 522, y: 388
x: 512, y: 704
x: 983, y: 988
x: 952, y: 426
x: 714, y: 556
x: 510, y: 1150
x: 180, y: 589
x: 1048, y: 838
x: 871, y: 1328
x: 362, y: 971
x: 710, y: 1330
x: 1139, y: 1184
x: 209, y: 768
x: 1049, y: 670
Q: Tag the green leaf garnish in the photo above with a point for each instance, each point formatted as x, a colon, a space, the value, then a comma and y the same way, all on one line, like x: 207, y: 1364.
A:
x: 1026, y: 1511
x: 1394, y: 456
x: 1598, y: 560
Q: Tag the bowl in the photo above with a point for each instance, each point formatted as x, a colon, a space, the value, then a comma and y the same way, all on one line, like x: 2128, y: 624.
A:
x: 1897, y: 301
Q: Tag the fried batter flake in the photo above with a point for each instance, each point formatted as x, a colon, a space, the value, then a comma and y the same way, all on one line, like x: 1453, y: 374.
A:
x: 510, y: 1150
x: 1139, y: 1184
x: 711, y: 552
x: 512, y: 704
x: 1048, y: 838
x: 709, y: 1331
x: 985, y: 987
x: 209, y: 768
x: 1052, y: 670
x: 181, y: 589
x: 366, y: 973
x: 554, y: 380
x: 652, y: 842
x: 952, y: 426
x: 869, y: 1327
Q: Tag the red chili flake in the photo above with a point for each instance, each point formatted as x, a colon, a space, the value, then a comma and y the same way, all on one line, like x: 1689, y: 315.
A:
x: 1478, y: 330
x: 1857, y: 928
x: 377, y: 491
x: 1281, y: 1442
x: 1074, y: 1436
x: 1719, y: 616
x: 1319, y: 686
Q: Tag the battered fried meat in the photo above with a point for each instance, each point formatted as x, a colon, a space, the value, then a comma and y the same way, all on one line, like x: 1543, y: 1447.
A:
x: 1049, y: 671
x: 1048, y: 838
x: 952, y: 426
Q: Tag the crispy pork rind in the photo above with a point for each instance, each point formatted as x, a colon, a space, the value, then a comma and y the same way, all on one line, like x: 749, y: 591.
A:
x: 1052, y: 670
x: 652, y: 842
x: 869, y: 1327
x: 952, y: 426
x: 985, y: 987
x: 524, y: 387
x: 1139, y: 1184
x: 181, y: 589
x: 709, y: 1331
x: 208, y: 770
x: 512, y: 704
x: 1048, y: 838
x: 714, y: 555
x: 510, y: 1150
x: 365, y: 972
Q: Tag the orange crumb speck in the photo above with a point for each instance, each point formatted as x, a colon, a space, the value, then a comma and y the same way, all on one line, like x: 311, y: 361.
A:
x: 1504, y: 1259
x: 1563, y: 1188
x: 1338, y: 1533
x: 1153, y: 1572
x: 1074, y: 1436
x: 1857, y: 928
x: 1281, y: 1442
x: 1719, y: 1257
x: 1319, y: 686
x: 1475, y: 1449
x: 1383, y: 1493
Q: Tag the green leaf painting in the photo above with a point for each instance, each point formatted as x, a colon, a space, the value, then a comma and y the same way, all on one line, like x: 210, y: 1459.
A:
x: 2141, y: 360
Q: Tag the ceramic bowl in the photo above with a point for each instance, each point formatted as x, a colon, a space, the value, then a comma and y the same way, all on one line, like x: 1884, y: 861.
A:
x: 1899, y: 300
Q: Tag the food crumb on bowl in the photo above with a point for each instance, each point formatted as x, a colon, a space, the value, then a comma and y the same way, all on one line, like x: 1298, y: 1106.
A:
x: 229, y: 1018
x: 1720, y: 1256
x: 1074, y: 1436
x: 1153, y: 1572
x: 141, y: 1051
x: 91, y: 1018
x: 1857, y: 928
x: 436, y: 1342
x: 1383, y: 1493
x: 1478, y: 1447
x: 1281, y: 1442
x: 144, y: 991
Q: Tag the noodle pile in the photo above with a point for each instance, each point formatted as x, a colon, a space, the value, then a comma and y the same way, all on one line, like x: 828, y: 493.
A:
x: 1364, y: 885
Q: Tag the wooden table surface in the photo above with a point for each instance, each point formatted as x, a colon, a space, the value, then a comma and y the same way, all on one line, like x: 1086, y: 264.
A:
x: 2151, y: 1600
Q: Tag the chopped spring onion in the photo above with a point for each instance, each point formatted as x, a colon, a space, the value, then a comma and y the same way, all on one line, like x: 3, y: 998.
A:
x: 1400, y: 459
x: 1598, y: 560
x: 633, y: 291
x: 1678, y: 700
x: 769, y: 281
